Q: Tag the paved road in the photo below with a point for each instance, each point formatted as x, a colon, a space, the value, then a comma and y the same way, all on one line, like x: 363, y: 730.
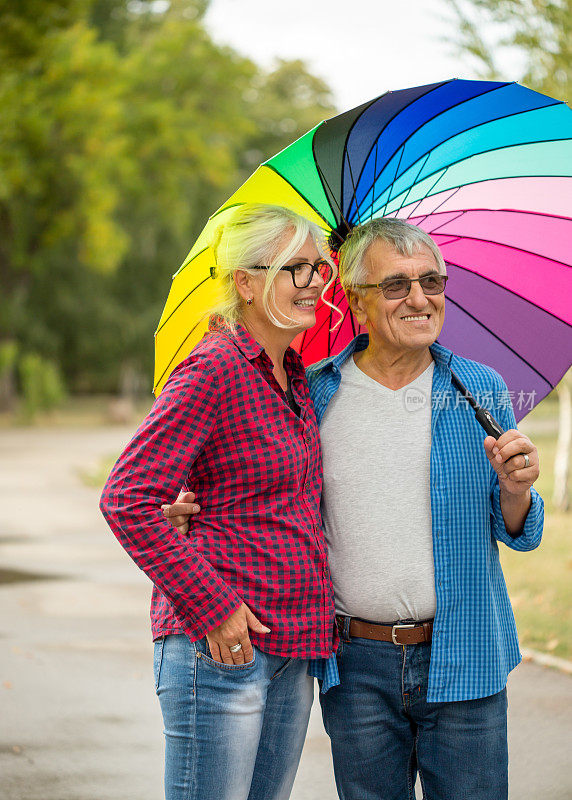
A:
x: 78, y: 718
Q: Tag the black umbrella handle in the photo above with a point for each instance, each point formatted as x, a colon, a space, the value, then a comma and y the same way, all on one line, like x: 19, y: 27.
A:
x: 483, y: 417
x: 488, y: 422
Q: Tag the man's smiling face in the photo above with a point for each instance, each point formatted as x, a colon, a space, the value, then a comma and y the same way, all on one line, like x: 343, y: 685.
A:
x: 411, y: 323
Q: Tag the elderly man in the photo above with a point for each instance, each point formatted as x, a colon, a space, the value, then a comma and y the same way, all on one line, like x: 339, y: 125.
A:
x: 415, y: 501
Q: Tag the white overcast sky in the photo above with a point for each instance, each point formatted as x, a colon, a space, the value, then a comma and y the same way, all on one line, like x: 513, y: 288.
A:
x: 361, y: 47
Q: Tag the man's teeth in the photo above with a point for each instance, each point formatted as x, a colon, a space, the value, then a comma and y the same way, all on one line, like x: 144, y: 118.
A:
x: 305, y: 303
x: 418, y: 316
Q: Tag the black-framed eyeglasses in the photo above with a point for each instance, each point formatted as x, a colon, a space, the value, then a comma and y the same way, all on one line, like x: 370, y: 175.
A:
x: 303, y: 272
x: 398, y: 288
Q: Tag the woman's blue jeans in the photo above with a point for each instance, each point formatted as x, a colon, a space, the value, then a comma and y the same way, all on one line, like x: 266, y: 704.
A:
x: 230, y: 731
x: 383, y: 731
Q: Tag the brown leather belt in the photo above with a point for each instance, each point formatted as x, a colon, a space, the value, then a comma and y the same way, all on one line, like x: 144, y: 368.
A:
x: 400, y: 633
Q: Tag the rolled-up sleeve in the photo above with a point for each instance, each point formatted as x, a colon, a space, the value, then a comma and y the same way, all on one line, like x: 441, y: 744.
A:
x: 149, y: 473
x: 531, y: 533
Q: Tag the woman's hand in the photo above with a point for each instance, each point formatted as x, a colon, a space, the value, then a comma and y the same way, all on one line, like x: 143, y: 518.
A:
x: 179, y: 512
x: 233, y: 631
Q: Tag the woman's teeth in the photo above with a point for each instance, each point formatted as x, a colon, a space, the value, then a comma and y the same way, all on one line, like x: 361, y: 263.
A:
x: 305, y: 303
x: 412, y: 319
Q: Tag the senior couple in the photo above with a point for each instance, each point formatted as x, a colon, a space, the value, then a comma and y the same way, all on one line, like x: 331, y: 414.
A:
x: 409, y: 628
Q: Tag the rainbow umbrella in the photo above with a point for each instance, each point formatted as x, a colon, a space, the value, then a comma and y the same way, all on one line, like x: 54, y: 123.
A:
x: 484, y: 167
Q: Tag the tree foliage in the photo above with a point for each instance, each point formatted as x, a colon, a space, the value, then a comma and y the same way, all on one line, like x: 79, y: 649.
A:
x: 124, y: 126
x: 537, y: 32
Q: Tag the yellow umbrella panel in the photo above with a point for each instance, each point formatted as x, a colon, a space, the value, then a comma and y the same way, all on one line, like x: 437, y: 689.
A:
x: 194, y: 291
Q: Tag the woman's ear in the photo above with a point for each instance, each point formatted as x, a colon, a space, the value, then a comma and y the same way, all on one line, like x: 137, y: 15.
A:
x: 243, y: 283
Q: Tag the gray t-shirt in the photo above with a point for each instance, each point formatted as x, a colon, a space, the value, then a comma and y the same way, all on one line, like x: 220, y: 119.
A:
x: 376, y: 503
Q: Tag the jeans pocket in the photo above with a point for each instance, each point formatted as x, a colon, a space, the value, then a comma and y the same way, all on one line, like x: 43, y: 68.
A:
x: 158, y: 660
x: 204, y: 653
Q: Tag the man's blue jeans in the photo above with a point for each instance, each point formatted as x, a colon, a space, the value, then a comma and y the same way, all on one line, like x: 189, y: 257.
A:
x: 383, y: 731
x: 230, y: 731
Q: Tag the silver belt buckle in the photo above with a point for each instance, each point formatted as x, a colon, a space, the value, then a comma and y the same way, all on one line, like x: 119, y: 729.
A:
x: 395, y: 627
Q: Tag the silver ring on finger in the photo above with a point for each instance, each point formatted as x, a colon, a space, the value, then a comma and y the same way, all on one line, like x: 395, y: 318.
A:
x: 526, y: 460
x: 235, y: 648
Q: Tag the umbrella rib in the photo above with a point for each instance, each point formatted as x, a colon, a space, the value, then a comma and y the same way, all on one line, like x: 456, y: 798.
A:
x: 431, y: 189
x: 316, y: 330
x: 472, y: 127
x: 447, y: 221
x: 511, y: 247
x: 185, y: 298
x: 506, y: 289
x: 374, y: 172
x: 420, y: 170
x: 190, y: 333
x: 411, y: 187
x: 494, y: 210
x: 348, y: 134
x: 394, y: 177
x: 397, y: 113
x: 330, y: 192
x: 224, y: 208
x: 492, y: 333
x: 346, y: 155
x: 445, y: 110
x: 299, y: 193
x: 424, y: 216
x: 185, y: 264
x: 495, y: 150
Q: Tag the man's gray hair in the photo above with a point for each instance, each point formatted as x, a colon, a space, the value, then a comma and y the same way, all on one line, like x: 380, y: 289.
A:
x: 405, y: 238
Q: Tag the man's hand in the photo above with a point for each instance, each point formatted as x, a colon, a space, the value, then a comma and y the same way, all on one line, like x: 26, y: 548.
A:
x: 179, y: 512
x: 505, y: 455
x: 232, y: 631
x: 515, y: 477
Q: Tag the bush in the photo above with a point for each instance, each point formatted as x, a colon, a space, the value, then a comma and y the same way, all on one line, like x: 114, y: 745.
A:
x: 41, y: 384
x: 8, y: 353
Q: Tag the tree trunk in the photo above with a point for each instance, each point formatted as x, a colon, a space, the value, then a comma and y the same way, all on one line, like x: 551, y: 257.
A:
x: 561, y: 497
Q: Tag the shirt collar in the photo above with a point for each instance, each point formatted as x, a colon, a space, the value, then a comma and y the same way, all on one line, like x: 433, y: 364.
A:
x: 246, y: 343
x: 252, y: 349
x: 441, y: 355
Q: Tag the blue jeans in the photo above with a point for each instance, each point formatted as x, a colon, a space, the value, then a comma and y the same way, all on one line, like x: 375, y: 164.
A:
x: 230, y: 731
x: 383, y: 731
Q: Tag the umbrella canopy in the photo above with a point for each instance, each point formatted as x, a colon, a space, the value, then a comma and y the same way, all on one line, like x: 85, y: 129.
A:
x: 484, y: 167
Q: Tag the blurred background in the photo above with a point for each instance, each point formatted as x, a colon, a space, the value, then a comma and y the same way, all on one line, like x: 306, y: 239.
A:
x: 124, y: 125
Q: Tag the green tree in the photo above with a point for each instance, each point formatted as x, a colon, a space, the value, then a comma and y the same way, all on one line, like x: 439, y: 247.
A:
x: 538, y: 32
x: 124, y: 126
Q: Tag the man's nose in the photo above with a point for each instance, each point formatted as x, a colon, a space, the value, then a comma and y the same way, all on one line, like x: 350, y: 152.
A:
x: 416, y: 298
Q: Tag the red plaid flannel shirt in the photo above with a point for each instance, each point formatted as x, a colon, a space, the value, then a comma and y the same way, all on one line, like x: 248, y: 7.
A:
x: 221, y: 425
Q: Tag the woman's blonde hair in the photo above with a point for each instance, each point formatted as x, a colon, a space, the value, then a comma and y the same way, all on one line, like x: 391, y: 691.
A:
x: 252, y: 236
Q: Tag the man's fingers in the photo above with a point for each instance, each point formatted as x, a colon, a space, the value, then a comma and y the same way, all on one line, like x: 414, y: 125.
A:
x: 518, y: 463
x: 186, y: 497
x: 180, y: 509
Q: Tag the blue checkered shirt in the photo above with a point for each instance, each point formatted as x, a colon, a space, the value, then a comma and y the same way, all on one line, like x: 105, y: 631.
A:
x: 475, y: 644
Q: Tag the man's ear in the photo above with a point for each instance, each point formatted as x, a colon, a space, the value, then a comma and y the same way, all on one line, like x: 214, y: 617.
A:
x: 356, y: 306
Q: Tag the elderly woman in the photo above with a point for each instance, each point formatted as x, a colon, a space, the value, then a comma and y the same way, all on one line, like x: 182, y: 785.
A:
x: 242, y: 603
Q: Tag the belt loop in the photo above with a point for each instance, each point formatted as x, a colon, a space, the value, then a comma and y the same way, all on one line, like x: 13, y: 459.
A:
x: 344, y: 628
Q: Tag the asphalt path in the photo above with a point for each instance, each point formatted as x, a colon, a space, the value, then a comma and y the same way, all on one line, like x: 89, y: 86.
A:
x: 78, y: 716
